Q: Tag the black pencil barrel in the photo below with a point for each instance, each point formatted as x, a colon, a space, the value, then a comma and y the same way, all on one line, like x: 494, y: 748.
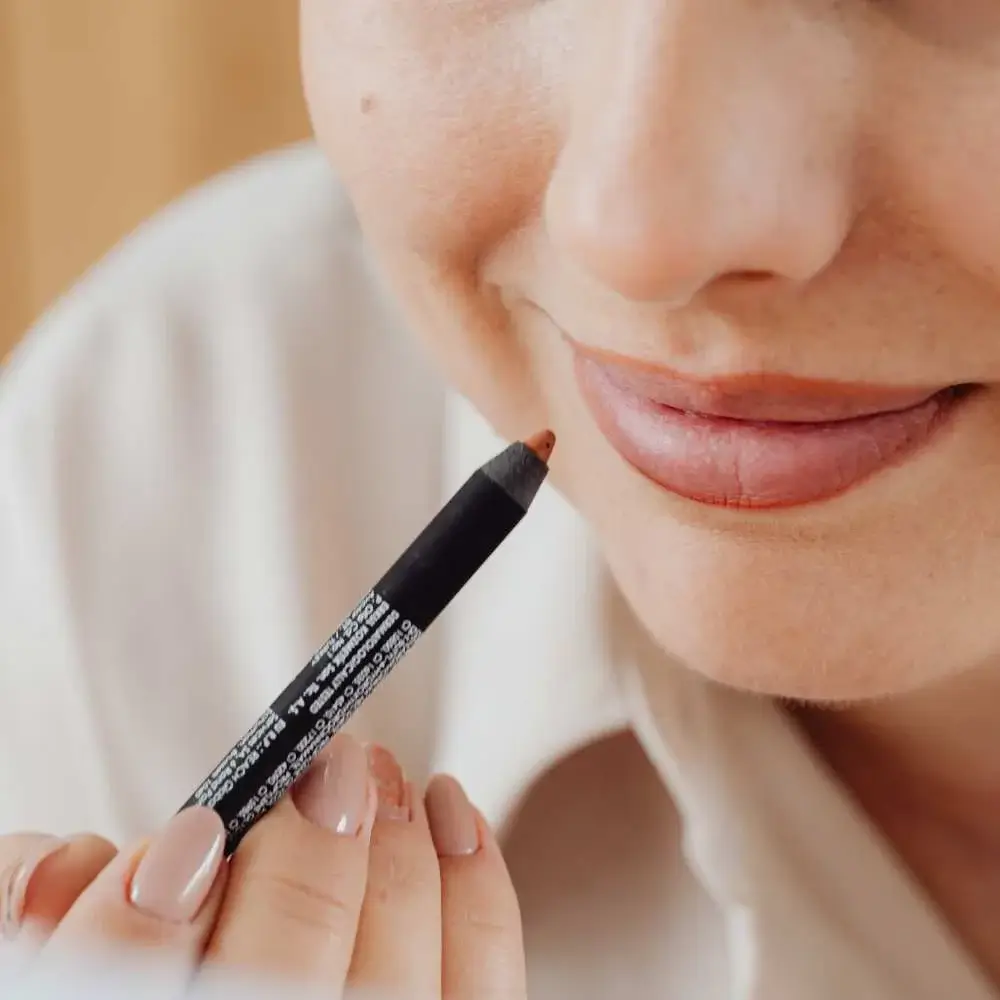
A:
x: 285, y: 740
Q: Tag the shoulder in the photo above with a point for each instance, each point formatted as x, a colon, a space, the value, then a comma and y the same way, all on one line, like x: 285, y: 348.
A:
x: 275, y: 230
x: 183, y: 501
x: 245, y: 217
x: 233, y: 323
x: 244, y: 292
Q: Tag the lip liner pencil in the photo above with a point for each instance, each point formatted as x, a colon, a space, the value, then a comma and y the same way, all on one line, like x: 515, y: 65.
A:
x: 390, y: 618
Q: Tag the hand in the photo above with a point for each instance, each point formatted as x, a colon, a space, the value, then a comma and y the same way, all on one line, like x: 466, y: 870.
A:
x: 353, y: 880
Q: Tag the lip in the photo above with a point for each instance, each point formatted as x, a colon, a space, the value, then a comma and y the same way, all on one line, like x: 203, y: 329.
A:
x: 756, y: 441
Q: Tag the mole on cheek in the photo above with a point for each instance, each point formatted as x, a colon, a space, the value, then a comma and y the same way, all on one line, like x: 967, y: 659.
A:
x: 367, y: 104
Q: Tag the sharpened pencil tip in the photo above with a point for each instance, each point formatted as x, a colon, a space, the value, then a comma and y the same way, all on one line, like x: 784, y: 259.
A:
x: 542, y: 444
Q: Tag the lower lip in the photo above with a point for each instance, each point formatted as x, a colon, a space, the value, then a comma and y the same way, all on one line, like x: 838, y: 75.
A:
x: 744, y: 464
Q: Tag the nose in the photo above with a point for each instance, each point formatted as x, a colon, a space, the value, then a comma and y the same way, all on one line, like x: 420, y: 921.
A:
x: 708, y: 139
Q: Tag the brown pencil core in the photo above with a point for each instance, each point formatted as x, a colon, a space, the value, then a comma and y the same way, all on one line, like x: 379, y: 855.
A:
x: 542, y: 444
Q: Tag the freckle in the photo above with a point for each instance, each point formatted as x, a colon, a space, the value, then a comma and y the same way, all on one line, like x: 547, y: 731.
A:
x: 367, y: 104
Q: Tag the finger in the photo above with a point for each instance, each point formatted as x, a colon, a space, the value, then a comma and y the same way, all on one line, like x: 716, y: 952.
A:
x: 482, y: 947
x: 297, y: 880
x: 42, y: 876
x: 162, y: 893
x: 397, y: 952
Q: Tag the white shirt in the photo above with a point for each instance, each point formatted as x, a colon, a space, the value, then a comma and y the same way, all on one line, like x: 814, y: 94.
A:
x: 214, y: 445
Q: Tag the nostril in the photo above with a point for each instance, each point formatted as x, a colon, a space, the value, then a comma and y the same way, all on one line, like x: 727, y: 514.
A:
x: 750, y: 276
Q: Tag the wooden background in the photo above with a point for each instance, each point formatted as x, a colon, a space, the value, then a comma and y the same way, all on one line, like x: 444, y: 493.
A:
x: 110, y: 108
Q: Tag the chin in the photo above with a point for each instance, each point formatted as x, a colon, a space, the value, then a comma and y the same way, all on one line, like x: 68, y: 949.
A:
x: 786, y: 657
x: 779, y: 622
x: 884, y: 592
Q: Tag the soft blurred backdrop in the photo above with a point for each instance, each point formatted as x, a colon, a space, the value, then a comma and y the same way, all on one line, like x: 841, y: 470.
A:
x: 110, y: 108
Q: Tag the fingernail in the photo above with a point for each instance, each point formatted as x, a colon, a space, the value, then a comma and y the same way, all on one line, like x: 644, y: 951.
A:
x: 333, y: 793
x: 390, y: 784
x: 15, y: 882
x: 177, y: 871
x: 452, y: 819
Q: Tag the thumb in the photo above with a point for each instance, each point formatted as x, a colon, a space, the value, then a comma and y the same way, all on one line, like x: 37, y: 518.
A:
x: 41, y: 877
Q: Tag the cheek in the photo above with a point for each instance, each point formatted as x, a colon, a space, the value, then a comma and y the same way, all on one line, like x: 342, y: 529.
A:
x: 439, y: 133
x: 437, y: 121
x: 939, y: 108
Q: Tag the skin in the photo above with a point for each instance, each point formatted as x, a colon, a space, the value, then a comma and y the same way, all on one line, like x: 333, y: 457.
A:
x: 803, y: 187
x: 722, y: 186
x: 375, y: 913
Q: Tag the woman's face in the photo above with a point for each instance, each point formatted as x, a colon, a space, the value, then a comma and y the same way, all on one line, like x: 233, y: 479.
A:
x: 726, y: 249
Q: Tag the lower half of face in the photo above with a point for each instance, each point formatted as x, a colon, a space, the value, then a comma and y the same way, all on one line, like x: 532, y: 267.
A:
x: 747, y: 267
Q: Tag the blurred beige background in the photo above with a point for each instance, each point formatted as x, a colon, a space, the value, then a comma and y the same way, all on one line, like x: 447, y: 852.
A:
x: 110, y: 108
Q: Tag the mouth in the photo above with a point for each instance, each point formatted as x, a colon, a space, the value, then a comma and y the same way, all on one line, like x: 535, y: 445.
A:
x: 757, y: 441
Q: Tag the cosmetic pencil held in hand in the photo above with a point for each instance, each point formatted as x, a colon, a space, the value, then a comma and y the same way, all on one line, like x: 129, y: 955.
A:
x: 390, y: 618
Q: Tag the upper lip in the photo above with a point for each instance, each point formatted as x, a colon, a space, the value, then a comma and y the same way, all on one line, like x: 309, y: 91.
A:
x: 753, y: 396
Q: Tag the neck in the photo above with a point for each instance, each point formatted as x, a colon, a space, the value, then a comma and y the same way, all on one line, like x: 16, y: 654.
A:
x: 926, y: 769
x: 935, y: 751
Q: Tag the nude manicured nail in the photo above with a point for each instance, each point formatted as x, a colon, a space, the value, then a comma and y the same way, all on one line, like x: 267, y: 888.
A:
x: 333, y: 793
x: 177, y: 871
x: 390, y: 784
x: 452, y: 819
x: 15, y: 882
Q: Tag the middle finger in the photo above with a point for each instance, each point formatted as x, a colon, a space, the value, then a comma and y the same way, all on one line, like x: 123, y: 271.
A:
x: 398, y: 948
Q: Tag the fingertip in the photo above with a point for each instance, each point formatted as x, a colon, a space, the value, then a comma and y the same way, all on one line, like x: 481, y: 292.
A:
x: 92, y: 843
x: 52, y: 879
x: 371, y: 808
x: 161, y: 892
x: 489, y: 846
x: 452, y: 817
x: 486, y: 836
x: 335, y: 791
x: 177, y: 870
x: 18, y: 880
